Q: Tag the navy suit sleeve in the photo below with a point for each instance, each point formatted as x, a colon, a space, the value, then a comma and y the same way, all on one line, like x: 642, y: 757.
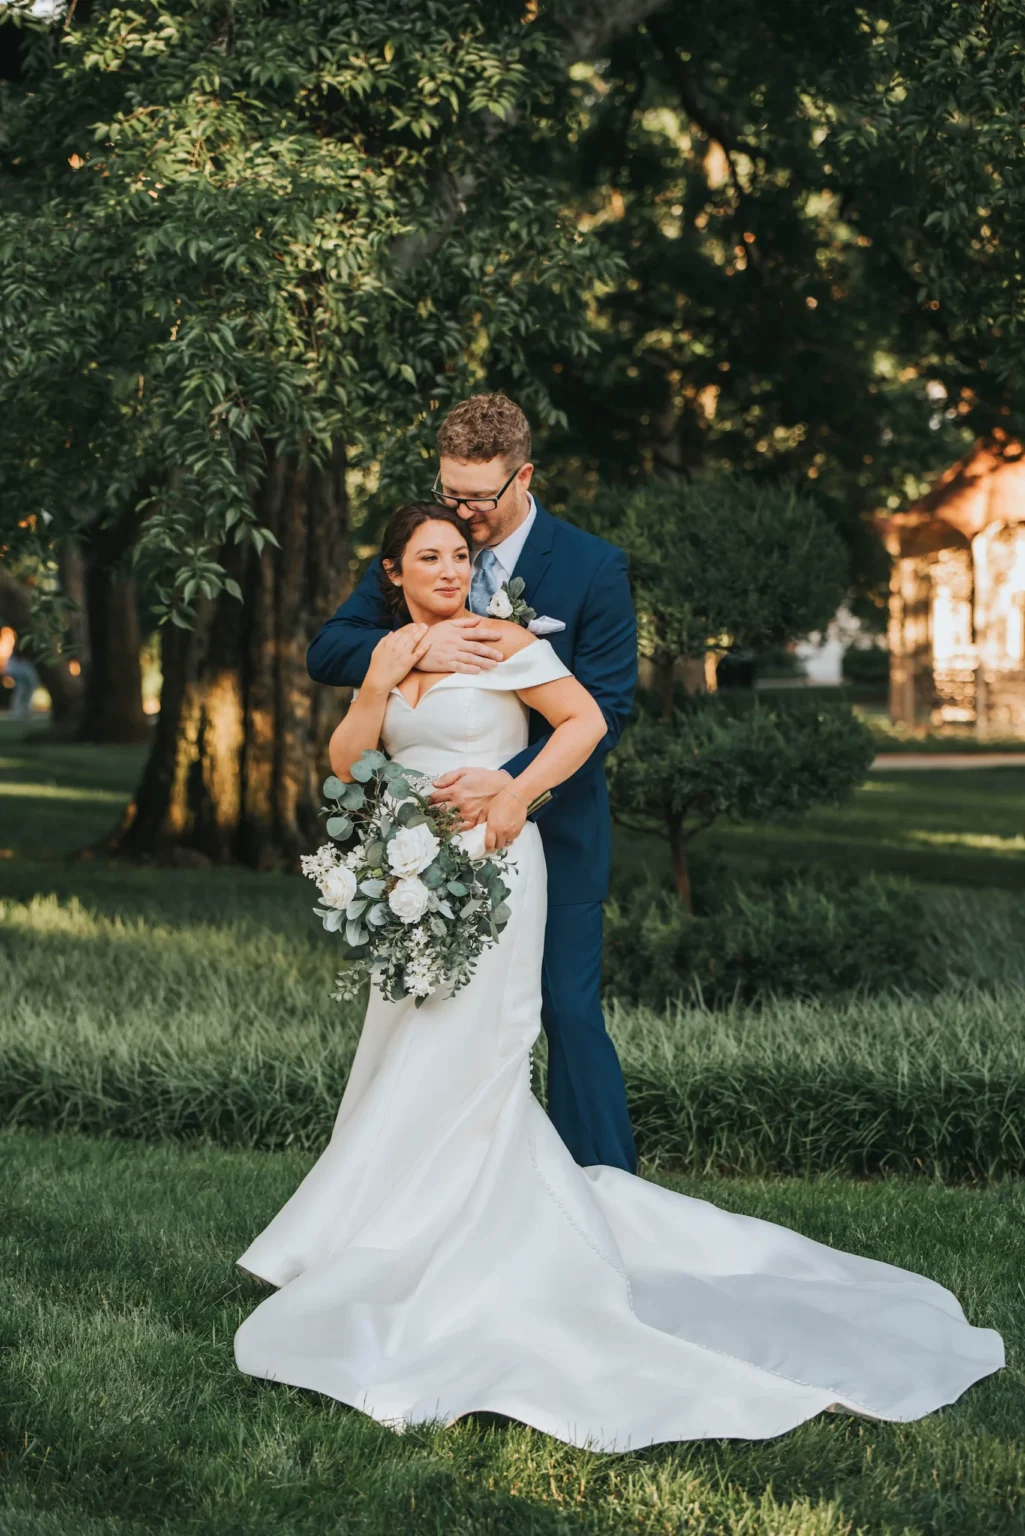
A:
x: 340, y: 651
x: 605, y: 658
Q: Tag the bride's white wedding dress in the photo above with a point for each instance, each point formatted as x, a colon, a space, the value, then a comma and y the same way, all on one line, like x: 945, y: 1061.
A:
x: 447, y: 1255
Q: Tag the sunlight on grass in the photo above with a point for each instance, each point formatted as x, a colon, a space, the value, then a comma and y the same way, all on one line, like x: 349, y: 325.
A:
x: 990, y: 841
x: 21, y: 791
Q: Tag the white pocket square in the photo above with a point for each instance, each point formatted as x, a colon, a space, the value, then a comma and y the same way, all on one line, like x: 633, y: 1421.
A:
x: 545, y: 626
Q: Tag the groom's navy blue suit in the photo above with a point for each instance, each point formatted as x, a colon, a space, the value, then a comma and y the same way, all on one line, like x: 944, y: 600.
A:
x: 580, y: 579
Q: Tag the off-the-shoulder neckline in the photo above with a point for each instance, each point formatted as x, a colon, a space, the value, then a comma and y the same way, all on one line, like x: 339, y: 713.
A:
x: 450, y: 675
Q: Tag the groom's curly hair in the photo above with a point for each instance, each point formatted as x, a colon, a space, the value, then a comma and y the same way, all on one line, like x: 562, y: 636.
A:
x: 485, y: 427
x: 399, y: 530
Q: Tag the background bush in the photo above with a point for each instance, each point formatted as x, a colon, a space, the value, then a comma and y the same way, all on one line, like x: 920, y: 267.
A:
x: 798, y: 938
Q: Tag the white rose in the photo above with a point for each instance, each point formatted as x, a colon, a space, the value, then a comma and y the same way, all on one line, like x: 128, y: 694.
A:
x: 409, y: 900
x: 500, y: 606
x: 338, y: 886
x: 472, y: 841
x: 411, y: 850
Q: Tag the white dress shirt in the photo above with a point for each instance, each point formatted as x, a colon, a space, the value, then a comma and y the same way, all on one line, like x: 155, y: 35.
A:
x: 509, y: 551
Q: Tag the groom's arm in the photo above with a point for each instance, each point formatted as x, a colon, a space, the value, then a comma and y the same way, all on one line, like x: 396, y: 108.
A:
x: 340, y: 651
x: 604, y: 660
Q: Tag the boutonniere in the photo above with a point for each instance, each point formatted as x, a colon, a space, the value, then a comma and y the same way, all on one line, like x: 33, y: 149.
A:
x: 507, y: 603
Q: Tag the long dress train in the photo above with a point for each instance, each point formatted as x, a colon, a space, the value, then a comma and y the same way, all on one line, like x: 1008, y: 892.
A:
x: 446, y: 1255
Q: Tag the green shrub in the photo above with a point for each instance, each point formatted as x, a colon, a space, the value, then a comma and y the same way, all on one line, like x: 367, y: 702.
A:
x: 797, y: 939
x: 867, y: 668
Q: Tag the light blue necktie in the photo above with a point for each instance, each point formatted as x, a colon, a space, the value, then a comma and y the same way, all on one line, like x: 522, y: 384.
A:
x: 486, y: 580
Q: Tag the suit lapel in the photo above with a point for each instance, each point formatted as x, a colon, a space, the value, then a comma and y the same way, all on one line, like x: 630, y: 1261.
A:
x: 536, y: 553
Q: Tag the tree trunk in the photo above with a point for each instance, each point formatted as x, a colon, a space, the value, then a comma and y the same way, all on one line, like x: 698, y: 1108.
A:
x: 113, y: 709
x: 111, y: 664
x: 678, y: 854
x: 239, y: 750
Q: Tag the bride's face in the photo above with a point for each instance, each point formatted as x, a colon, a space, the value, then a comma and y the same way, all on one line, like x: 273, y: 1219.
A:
x: 435, y: 575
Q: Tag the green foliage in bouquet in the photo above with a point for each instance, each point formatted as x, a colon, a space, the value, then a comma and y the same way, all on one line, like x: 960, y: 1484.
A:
x: 414, y: 906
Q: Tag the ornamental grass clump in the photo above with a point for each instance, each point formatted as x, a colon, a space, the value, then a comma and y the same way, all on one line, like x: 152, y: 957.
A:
x: 416, y: 901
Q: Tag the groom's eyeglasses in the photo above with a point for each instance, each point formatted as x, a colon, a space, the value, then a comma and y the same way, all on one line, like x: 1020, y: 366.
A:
x: 472, y: 503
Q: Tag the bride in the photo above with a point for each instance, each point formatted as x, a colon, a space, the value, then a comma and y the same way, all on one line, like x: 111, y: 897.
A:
x: 446, y: 1255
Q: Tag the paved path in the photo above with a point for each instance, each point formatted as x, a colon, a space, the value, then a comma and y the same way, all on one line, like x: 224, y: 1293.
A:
x: 913, y: 761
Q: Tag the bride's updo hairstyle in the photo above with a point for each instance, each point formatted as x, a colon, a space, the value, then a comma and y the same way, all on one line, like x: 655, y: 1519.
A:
x: 400, y: 529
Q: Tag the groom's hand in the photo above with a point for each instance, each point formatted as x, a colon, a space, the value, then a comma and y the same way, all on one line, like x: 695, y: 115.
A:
x: 470, y: 791
x: 461, y: 645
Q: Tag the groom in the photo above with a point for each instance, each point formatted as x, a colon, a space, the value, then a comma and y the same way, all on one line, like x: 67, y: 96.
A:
x: 578, y: 583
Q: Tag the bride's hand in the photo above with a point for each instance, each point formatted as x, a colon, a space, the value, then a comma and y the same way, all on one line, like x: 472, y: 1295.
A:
x: 395, y: 656
x: 507, y: 816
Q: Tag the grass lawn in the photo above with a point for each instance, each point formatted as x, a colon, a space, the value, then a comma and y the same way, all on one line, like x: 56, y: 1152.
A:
x: 943, y: 827
x: 189, y: 1006
x: 121, y: 1410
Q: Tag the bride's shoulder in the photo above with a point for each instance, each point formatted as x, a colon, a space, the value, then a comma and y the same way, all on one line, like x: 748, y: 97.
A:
x: 512, y: 638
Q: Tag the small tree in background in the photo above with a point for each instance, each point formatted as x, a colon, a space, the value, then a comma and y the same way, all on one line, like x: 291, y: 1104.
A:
x: 721, y: 563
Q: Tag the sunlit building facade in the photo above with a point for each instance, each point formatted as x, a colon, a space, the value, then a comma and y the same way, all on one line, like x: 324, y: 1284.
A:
x: 957, y: 598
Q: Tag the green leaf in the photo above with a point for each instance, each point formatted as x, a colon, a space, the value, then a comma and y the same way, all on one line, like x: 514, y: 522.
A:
x: 352, y: 797
x: 457, y: 888
x: 339, y: 827
x: 333, y: 788
x: 373, y: 887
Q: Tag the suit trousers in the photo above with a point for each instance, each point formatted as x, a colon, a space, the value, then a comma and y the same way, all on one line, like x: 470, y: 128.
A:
x: 586, y: 1093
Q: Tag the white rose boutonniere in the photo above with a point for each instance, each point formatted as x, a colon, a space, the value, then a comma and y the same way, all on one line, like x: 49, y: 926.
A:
x: 508, y: 603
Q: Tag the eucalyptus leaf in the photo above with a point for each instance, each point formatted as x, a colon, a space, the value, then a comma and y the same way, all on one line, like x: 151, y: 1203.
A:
x: 362, y: 771
x: 339, y: 827
x: 457, y: 888
x: 373, y: 887
x: 355, y: 910
x: 378, y: 915
x: 355, y: 934
x: 334, y: 788
x: 432, y: 877
x: 374, y: 853
x: 352, y: 797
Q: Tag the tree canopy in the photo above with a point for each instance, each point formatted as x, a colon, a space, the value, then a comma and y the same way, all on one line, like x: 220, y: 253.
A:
x: 235, y: 231
x: 818, y: 215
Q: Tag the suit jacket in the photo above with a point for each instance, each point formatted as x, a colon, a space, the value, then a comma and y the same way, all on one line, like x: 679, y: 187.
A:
x: 582, y: 580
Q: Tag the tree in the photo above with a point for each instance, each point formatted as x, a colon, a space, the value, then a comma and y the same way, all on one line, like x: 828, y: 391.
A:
x: 719, y: 562
x: 246, y: 254
x: 819, y: 218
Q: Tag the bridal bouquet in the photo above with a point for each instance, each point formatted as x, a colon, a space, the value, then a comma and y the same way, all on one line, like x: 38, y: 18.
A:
x: 415, y: 901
